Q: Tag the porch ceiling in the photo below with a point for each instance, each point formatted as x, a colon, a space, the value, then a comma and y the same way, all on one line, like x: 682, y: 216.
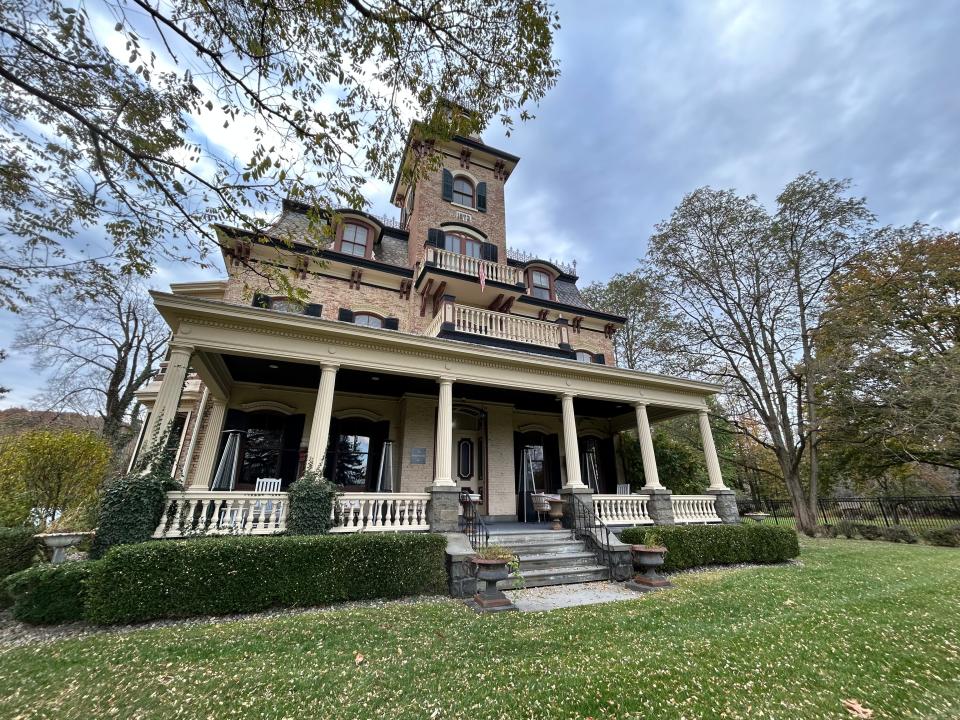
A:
x: 269, y: 371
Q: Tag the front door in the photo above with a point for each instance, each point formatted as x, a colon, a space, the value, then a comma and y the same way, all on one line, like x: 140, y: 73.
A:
x: 537, y: 467
x: 469, y: 452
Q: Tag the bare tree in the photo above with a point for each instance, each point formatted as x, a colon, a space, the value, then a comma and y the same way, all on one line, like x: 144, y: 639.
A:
x: 750, y: 286
x: 151, y: 121
x: 100, y: 343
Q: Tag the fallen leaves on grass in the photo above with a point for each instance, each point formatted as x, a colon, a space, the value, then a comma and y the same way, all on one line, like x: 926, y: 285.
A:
x: 857, y: 710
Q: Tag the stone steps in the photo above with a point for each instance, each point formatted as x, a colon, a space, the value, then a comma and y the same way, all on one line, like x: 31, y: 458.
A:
x: 549, y: 557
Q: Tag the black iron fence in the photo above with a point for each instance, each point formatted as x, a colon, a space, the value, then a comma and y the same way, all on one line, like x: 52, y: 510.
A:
x: 912, y: 511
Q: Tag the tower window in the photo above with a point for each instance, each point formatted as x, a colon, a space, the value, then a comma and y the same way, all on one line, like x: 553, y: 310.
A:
x: 584, y: 356
x: 464, y: 245
x: 463, y: 191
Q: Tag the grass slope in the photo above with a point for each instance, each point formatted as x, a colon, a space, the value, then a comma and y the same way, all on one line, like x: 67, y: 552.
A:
x: 874, y: 622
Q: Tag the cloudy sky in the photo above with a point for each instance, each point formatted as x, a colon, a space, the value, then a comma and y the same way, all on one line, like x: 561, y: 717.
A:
x: 660, y: 97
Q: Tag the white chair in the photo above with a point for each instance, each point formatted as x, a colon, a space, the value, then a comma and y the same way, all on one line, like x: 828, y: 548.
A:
x: 623, y: 489
x: 264, y: 512
x: 540, y: 504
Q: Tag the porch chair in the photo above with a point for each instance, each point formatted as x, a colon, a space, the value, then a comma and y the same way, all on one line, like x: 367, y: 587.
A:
x: 623, y: 489
x: 540, y: 504
x: 264, y: 485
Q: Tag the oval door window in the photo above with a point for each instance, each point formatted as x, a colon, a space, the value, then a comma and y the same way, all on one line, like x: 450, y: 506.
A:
x: 465, y: 459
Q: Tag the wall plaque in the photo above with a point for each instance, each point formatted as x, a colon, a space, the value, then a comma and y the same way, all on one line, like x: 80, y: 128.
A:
x: 418, y: 456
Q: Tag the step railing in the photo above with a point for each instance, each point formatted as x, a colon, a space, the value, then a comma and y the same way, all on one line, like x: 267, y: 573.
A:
x: 380, y: 512
x: 623, y: 509
x: 690, y: 509
x: 470, y: 266
x: 202, y: 512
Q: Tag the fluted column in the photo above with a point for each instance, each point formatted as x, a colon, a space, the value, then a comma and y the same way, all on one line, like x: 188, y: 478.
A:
x: 571, y: 447
x: 210, y: 444
x: 651, y: 476
x: 168, y: 397
x: 320, y: 427
x: 443, y: 475
x: 710, y: 453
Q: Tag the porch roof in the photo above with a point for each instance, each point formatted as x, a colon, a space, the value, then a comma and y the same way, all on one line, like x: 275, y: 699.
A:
x: 230, y: 329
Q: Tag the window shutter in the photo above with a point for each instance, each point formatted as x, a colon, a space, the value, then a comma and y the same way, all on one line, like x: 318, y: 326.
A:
x: 481, y: 197
x: 345, y: 315
x: 435, y: 237
x: 489, y: 252
x: 600, y: 359
x: 447, y: 185
x: 313, y: 309
x: 391, y: 324
x: 260, y: 300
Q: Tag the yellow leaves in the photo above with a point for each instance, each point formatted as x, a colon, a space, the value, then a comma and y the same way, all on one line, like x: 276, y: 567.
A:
x: 359, y: 659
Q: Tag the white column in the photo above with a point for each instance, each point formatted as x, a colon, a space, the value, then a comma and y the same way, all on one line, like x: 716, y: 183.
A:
x: 710, y: 452
x: 210, y: 444
x: 320, y: 427
x: 571, y: 447
x: 650, y: 474
x: 443, y: 475
x: 168, y: 397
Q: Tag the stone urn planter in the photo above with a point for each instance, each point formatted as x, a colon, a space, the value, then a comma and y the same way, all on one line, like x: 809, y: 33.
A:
x: 492, y: 564
x: 647, y: 560
x: 556, y: 511
x: 60, y: 541
x: 757, y: 517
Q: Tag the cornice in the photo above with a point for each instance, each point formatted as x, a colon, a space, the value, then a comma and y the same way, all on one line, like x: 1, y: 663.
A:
x: 197, y: 311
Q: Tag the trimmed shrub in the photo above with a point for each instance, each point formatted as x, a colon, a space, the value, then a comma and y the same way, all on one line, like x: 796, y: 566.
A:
x: 698, y: 545
x: 845, y: 528
x: 17, y: 549
x: 944, y: 537
x: 216, y: 576
x: 869, y: 532
x: 49, y: 594
x: 310, y: 500
x: 899, y: 534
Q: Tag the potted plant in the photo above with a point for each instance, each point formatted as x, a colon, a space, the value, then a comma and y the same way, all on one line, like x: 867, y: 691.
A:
x: 493, y: 564
x: 66, y: 531
x: 647, y: 559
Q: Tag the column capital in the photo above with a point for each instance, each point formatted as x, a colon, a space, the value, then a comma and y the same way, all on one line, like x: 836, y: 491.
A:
x: 639, y: 404
x: 446, y: 380
x: 567, y: 394
x: 329, y: 365
x: 180, y: 348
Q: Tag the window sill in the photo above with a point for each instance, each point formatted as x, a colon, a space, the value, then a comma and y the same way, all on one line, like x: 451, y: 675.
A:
x: 465, y: 207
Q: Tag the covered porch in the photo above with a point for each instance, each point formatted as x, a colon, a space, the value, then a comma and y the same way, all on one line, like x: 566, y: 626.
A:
x: 401, y: 424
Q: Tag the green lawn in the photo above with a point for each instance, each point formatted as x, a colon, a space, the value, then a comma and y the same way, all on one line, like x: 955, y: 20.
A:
x: 873, y: 622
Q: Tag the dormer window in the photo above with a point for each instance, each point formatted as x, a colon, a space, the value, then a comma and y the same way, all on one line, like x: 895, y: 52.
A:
x: 541, y: 285
x: 355, y: 239
x: 463, y: 191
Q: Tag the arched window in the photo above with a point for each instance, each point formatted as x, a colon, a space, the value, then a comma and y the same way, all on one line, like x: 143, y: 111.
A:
x: 368, y: 320
x: 584, y: 356
x: 355, y: 239
x: 458, y: 243
x: 541, y: 284
x: 463, y: 191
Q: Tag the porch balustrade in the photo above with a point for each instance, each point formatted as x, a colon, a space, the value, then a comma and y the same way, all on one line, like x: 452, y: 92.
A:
x: 381, y: 512
x: 466, y: 265
x: 690, y: 509
x: 622, y: 509
x: 202, y: 512
x: 478, y: 321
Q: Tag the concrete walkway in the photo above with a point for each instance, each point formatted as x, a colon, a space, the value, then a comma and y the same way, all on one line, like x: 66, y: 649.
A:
x: 552, y: 597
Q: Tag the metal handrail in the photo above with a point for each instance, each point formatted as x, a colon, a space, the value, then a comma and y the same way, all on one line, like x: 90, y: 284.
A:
x: 472, y: 523
x: 585, y: 520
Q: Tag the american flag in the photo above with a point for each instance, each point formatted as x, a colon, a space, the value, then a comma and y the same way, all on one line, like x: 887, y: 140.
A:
x: 483, y: 277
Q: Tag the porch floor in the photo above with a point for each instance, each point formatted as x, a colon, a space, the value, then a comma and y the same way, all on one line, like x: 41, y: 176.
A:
x: 517, y: 528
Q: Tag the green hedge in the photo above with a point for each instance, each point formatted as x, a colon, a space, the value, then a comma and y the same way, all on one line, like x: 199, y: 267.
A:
x: 215, y: 576
x: 945, y: 537
x: 49, y: 594
x: 17, y: 549
x: 697, y: 545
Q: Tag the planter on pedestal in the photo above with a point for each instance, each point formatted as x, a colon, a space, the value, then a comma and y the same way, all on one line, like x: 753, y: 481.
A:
x: 490, y: 571
x: 556, y: 511
x: 647, y: 559
x: 60, y: 541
